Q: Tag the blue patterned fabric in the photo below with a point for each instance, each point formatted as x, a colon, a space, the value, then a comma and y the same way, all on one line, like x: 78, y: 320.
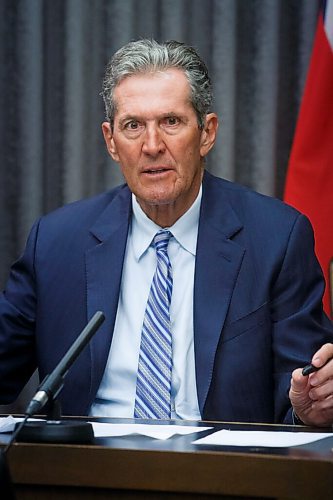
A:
x: 153, y: 390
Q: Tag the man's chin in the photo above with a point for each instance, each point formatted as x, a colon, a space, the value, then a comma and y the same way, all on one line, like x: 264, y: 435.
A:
x: 155, y: 197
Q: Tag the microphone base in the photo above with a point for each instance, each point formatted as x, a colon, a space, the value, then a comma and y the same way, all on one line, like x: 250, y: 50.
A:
x: 56, y: 431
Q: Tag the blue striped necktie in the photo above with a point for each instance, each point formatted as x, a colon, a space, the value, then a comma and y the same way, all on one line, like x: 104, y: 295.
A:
x: 153, y: 386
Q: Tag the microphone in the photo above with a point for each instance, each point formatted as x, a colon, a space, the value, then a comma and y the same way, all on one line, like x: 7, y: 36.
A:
x: 54, y: 430
x: 53, y: 383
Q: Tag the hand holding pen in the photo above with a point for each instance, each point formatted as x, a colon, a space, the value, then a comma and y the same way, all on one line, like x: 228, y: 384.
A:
x: 311, y: 390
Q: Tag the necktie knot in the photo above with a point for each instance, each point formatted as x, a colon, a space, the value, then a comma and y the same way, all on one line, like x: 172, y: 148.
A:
x: 161, y: 240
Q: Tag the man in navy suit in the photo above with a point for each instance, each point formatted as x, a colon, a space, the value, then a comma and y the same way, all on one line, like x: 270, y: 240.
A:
x: 246, y: 309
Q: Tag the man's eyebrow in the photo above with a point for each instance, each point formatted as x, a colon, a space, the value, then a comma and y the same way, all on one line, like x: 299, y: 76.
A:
x: 173, y: 114
x: 128, y: 117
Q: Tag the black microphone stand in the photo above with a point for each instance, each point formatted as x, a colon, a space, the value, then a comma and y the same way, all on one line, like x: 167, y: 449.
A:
x: 55, y: 429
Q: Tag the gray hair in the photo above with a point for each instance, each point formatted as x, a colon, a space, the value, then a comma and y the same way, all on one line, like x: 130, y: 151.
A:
x: 144, y: 56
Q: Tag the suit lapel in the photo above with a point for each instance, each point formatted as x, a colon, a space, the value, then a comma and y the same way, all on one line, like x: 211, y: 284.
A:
x: 104, y: 264
x: 218, y: 260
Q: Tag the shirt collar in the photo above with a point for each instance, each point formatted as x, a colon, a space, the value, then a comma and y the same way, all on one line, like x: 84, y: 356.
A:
x: 184, y: 230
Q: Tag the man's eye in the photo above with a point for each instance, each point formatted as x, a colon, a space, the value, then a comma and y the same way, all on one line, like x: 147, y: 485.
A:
x: 132, y: 125
x: 172, y: 120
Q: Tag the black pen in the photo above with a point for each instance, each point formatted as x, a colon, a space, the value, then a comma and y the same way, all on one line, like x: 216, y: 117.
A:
x: 310, y: 368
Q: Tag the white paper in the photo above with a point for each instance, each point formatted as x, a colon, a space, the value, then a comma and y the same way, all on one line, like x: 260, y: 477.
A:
x: 154, y: 431
x: 261, y: 438
x: 7, y: 424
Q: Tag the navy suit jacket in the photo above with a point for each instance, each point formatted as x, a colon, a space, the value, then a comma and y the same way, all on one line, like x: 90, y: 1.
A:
x: 257, y: 300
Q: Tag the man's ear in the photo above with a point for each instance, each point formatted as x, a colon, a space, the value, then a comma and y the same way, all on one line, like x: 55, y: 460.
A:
x: 208, y: 134
x: 109, y: 141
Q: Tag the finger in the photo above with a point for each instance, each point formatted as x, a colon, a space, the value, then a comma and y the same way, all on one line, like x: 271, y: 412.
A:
x: 321, y: 392
x: 298, y: 392
x: 324, y: 404
x: 322, y: 355
x: 323, y: 375
x: 298, y: 381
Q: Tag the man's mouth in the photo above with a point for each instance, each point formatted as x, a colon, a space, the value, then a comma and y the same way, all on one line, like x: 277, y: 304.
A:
x: 156, y: 171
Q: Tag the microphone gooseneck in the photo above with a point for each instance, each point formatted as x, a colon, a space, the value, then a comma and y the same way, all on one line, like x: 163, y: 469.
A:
x: 53, y: 383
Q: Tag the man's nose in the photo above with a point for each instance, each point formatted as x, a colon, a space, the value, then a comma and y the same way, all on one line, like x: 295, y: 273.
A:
x: 153, y: 143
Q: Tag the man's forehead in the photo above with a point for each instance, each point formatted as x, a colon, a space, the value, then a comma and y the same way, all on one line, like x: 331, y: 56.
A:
x: 163, y: 90
x: 158, y: 80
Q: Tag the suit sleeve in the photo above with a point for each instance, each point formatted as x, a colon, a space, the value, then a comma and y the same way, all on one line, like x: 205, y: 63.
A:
x: 300, y: 327
x: 18, y: 305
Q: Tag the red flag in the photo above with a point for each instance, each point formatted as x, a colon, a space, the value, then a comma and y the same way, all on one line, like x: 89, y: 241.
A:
x: 309, y: 184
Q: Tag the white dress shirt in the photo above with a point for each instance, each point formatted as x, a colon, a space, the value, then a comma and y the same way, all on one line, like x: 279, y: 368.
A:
x: 116, y: 394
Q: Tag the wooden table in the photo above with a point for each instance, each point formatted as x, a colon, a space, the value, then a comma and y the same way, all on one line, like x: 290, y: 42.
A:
x: 140, y: 467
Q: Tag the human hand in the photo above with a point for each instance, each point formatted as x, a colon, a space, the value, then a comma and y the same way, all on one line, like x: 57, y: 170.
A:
x: 312, y: 396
